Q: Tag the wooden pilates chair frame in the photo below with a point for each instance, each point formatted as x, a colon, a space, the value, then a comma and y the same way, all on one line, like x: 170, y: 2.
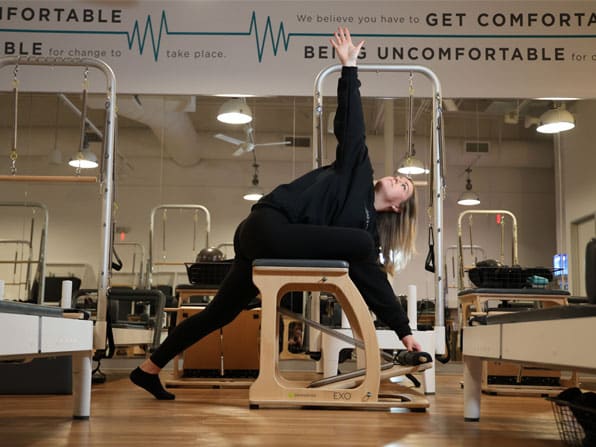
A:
x: 361, y: 389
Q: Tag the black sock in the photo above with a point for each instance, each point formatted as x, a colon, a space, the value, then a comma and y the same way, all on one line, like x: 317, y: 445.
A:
x: 151, y: 383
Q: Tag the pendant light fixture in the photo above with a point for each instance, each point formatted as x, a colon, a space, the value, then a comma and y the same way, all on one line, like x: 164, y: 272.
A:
x: 255, y: 192
x: 556, y: 120
x: 410, y: 165
x: 235, y: 111
x: 468, y: 197
x: 84, y: 158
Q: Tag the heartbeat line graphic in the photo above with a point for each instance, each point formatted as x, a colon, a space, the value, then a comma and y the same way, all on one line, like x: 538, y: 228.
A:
x: 141, y: 37
x: 141, y: 33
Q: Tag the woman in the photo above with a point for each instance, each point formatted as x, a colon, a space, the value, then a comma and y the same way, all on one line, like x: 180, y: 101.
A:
x: 334, y: 212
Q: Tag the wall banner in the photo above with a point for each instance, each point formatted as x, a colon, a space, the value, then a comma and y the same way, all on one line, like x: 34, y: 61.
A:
x: 477, y: 48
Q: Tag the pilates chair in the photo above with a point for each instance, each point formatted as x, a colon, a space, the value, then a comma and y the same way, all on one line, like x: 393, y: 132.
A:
x: 358, y: 389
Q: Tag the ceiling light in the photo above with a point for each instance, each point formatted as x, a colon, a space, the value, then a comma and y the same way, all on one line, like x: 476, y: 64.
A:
x: 234, y: 111
x: 84, y: 159
x: 255, y: 192
x: 558, y: 98
x: 234, y: 95
x: 412, y: 166
x: 555, y: 121
x: 468, y: 197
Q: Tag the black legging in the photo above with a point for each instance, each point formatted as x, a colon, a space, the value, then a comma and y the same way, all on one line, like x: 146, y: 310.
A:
x: 265, y: 233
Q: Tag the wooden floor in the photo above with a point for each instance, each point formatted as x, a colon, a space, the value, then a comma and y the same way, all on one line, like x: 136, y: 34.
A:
x: 125, y: 416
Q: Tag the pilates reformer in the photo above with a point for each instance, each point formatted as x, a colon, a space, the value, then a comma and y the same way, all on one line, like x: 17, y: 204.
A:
x: 275, y: 278
x: 42, y: 335
x: 502, y: 284
x: 559, y: 338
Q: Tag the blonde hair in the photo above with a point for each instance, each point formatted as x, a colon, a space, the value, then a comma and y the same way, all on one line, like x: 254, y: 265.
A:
x: 397, y: 235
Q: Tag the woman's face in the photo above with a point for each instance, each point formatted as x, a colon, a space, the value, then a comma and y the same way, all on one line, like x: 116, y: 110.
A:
x: 395, y: 190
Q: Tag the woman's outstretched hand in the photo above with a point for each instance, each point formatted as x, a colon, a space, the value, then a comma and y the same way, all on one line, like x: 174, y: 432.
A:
x: 346, y: 51
x: 411, y: 344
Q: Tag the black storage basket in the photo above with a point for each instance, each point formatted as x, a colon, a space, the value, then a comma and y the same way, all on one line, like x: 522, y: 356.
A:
x: 208, y: 274
x: 497, y: 277
x: 506, y: 277
x: 576, y: 423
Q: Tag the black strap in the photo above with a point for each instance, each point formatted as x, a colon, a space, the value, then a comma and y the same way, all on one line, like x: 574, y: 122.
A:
x: 429, y: 263
x: 118, y: 264
x: 111, y: 348
x: 110, y: 336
